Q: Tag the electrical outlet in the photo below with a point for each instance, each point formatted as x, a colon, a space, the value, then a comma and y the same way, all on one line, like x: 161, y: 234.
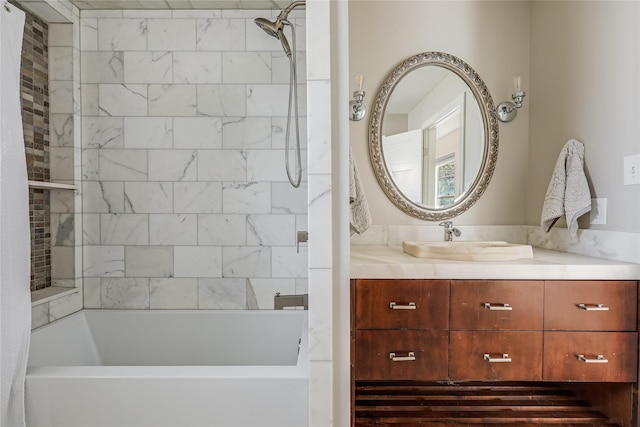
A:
x: 598, y: 214
x: 632, y: 170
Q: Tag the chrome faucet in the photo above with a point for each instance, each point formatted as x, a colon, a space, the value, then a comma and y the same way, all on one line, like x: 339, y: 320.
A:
x: 449, y: 230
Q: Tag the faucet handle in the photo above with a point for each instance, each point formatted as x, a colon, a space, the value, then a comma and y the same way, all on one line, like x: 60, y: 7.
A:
x: 446, y: 224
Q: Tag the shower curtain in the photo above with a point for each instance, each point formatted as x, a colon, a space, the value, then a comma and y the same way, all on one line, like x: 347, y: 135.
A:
x: 15, y: 301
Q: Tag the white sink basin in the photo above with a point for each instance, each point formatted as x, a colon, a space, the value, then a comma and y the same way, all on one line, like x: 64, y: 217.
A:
x: 468, y: 251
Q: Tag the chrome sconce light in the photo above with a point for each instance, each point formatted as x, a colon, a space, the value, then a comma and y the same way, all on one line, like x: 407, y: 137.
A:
x: 508, y: 110
x: 357, y: 109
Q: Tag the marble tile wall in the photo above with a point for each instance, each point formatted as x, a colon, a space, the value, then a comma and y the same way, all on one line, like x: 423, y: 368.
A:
x: 186, y: 204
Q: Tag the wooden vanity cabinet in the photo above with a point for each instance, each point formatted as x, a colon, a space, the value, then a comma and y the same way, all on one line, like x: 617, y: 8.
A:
x: 583, y: 334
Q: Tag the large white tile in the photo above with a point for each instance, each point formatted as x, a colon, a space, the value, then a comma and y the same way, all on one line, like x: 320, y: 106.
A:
x: 148, y: 132
x: 60, y: 130
x: 171, y: 34
x: 90, y: 229
x: 246, y: 261
x: 90, y: 164
x: 62, y: 259
x: 197, y: 261
x: 320, y: 221
x: 246, y: 133
x: 149, y: 261
x: 148, y: 197
x: 91, y: 292
x: 124, y: 229
x: 102, y: 197
x: 281, y: 68
x: 220, y: 34
x: 286, y: 261
x: 197, y: 132
x: 122, y: 100
x: 197, y: 197
x: 269, y: 165
x: 246, y: 67
x: 148, y: 67
x: 64, y: 306
x: 172, y: 100
x: 279, y: 132
x: 122, y: 34
x: 173, y: 229
x: 287, y: 199
x: 89, y: 33
x: 102, y: 67
x: 172, y: 165
x: 222, y: 294
x: 103, y: 261
x: 60, y: 97
x: 60, y: 63
x: 246, y: 197
x: 39, y: 315
x: 102, y: 132
x: 319, y: 119
x: 271, y: 230
x: 124, y: 293
x: 123, y: 165
x: 60, y: 34
x: 173, y: 294
x: 222, y: 165
x: 61, y: 163
x: 270, y: 100
x: 89, y: 104
x: 197, y: 67
x: 221, y: 100
x: 222, y: 230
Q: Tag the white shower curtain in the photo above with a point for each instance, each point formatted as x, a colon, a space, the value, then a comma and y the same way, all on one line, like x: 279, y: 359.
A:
x: 15, y: 304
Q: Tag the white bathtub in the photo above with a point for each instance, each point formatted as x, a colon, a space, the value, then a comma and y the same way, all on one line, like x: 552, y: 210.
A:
x: 135, y: 368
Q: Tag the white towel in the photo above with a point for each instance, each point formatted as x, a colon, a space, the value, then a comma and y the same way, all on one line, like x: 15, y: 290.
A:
x: 358, y: 206
x: 568, y: 193
x: 15, y: 298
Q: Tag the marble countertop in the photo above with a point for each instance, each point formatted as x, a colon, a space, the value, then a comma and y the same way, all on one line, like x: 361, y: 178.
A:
x: 390, y: 262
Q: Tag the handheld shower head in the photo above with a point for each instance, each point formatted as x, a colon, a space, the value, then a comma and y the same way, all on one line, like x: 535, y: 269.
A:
x: 269, y: 27
x: 276, y: 28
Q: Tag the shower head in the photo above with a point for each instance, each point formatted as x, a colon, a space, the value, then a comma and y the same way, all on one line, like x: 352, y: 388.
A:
x: 276, y: 28
x: 271, y: 28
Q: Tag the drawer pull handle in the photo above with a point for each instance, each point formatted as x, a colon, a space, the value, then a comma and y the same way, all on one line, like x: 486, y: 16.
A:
x: 497, y: 307
x: 411, y: 356
x: 396, y: 306
x: 593, y: 307
x: 502, y: 359
x: 598, y: 359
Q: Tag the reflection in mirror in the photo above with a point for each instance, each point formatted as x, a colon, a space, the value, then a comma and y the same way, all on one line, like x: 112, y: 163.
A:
x: 434, y: 136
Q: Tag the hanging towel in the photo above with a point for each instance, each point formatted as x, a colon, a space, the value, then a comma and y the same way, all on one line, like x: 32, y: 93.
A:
x: 568, y: 193
x: 359, y: 209
x: 15, y: 300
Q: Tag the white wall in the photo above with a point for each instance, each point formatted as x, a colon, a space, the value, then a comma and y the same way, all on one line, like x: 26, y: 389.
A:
x: 585, y: 84
x: 492, y: 37
x: 185, y: 195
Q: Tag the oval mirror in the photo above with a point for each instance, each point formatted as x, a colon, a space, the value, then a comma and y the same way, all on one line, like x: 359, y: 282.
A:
x: 433, y: 138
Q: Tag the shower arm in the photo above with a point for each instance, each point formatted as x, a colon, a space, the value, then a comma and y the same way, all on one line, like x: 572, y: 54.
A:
x: 285, y: 12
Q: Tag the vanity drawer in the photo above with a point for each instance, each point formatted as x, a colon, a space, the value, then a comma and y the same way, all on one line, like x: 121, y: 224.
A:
x: 590, y: 306
x: 496, y: 305
x: 618, y: 361
x: 492, y: 356
x: 385, y: 355
x: 404, y: 304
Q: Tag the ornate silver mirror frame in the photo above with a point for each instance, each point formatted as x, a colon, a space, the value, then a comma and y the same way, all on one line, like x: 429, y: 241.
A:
x: 489, y: 123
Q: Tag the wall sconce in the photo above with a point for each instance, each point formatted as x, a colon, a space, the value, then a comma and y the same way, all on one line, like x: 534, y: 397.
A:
x: 508, y: 111
x: 357, y: 109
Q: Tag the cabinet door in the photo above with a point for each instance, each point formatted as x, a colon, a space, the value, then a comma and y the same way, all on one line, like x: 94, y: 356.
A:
x: 496, y: 304
x: 606, y: 356
x: 493, y: 356
x: 590, y: 306
x: 401, y: 355
x: 405, y: 304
